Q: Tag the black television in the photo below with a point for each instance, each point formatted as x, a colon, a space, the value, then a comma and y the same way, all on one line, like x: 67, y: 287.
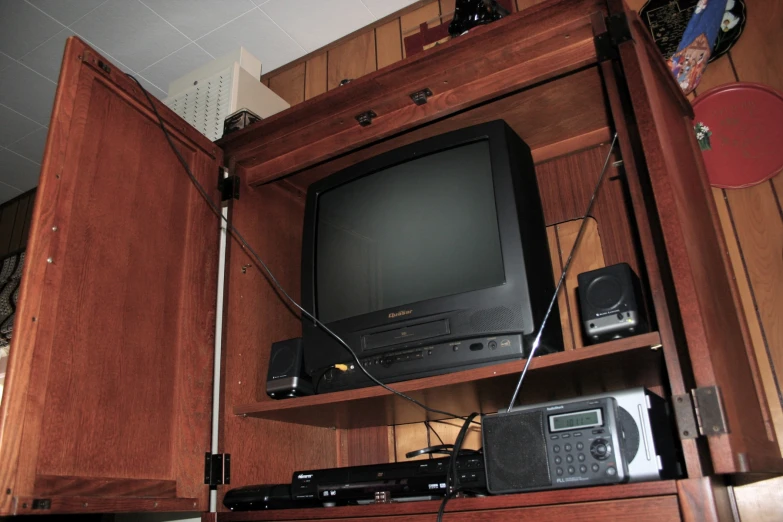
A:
x: 427, y: 259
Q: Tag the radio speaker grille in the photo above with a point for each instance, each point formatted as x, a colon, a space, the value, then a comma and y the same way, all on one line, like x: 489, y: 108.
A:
x: 515, y: 452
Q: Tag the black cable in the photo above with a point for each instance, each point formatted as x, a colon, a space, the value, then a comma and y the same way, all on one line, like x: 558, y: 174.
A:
x: 451, y: 473
x: 268, y: 272
x: 429, y: 427
x: 320, y: 378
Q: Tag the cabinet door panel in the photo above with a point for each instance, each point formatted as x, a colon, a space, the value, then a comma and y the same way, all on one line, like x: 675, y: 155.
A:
x: 700, y: 271
x: 109, y: 384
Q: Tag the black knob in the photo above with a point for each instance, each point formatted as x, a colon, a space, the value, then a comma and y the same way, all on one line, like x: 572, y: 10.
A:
x: 600, y: 449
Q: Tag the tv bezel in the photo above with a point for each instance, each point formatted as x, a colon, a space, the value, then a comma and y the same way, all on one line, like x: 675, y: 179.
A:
x: 507, y: 161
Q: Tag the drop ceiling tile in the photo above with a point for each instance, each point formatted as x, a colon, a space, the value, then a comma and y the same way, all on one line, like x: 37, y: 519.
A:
x: 130, y: 32
x: 8, y: 192
x: 176, y: 65
x: 381, y: 8
x: 260, y: 2
x: 315, y: 23
x: 66, y: 11
x: 47, y: 58
x: 23, y: 28
x: 196, y: 18
x: 27, y: 92
x: 256, y: 32
x: 5, y: 61
x: 151, y: 88
x: 17, y: 171
x: 14, y: 126
x: 32, y: 145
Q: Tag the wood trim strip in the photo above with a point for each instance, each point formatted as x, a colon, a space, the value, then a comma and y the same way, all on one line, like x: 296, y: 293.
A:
x: 58, y: 486
x: 84, y: 505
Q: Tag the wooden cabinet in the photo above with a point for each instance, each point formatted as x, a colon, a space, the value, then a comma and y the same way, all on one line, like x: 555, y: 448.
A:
x: 108, y: 398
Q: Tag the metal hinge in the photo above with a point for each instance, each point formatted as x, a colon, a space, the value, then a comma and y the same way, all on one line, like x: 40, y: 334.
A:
x: 217, y: 469
x: 227, y: 185
x: 700, y: 413
x: 617, y: 32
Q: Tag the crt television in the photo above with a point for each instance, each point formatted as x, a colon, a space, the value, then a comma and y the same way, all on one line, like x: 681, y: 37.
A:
x: 428, y: 259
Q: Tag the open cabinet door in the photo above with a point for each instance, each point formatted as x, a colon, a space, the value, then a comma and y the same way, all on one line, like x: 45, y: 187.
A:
x: 108, y: 398
x: 731, y: 407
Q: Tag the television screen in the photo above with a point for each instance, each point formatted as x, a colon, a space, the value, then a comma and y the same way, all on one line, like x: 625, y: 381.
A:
x: 419, y: 230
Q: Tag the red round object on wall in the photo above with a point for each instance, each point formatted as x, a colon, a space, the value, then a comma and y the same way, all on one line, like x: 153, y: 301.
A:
x: 746, y: 121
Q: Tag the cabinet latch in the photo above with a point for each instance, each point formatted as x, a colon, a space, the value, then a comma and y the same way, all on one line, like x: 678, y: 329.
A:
x: 700, y: 413
x: 420, y: 97
x: 217, y: 469
x: 227, y: 185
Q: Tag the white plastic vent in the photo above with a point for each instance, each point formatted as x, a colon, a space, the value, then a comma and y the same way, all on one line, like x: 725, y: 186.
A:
x: 206, y: 104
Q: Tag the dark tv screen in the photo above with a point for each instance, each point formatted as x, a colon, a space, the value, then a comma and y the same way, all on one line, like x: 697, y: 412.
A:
x: 419, y: 230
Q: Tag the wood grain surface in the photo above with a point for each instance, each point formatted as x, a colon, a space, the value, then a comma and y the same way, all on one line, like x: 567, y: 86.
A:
x: 115, y: 313
x: 351, y: 60
x: 388, y: 41
x: 315, y: 76
x: 290, y: 84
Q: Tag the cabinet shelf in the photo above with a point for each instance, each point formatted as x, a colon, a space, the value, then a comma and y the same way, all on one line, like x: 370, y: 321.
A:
x: 407, y: 509
x: 634, y: 361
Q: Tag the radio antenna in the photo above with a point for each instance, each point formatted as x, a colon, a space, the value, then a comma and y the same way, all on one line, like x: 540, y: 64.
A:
x: 537, y: 340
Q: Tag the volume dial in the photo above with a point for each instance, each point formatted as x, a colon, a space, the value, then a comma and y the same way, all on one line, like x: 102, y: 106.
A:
x: 601, y: 449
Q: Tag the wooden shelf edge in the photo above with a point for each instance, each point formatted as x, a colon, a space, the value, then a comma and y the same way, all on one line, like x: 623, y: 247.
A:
x: 541, y: 498
x: 269, y: 408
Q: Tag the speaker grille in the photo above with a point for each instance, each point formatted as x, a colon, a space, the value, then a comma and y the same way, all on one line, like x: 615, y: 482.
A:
x: 497, y: 319
x: 515, y: 452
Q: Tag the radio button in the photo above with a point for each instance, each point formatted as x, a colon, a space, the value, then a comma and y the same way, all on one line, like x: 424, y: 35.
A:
x: 559, y: 472
x: 567, y: 447
x: 580, y: 446
x: 558, y: 460
x: 582, y: 469
x: 556, y: 448
x: 578, y: 434
x: 611, y: 471
x: 581, y: 457
x: 569, y: 458
x: 595, y: 468
x: 571, y: 470
x: 600, y: 449
x: 566, y: 435
x: 554, y: 437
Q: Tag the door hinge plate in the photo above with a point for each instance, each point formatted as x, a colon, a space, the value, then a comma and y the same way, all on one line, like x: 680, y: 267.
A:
x: 42, y: 504
x: 709, y: 411
x: 617, y: 32
x: 685, y: 416
x: 217, y: 469
x: 227, y: 185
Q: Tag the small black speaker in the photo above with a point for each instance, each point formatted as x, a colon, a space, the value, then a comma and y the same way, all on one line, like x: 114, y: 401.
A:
x: 286, y: 377
x: 610, y: 303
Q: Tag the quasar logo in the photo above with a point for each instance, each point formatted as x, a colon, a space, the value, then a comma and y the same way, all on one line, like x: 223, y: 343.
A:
x: 400, y: 313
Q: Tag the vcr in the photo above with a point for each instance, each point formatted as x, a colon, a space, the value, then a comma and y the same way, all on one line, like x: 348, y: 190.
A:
x: 424, y: 361
x: 401, y: 481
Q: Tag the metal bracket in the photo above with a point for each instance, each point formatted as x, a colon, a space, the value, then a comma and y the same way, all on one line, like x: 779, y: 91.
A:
x: 420, y: 97
x: 709, y: 411
x: 217, y: 469
x: 617, y: 32
x: 365, y: 118
x: 228, y: 186
x: 685, y: 416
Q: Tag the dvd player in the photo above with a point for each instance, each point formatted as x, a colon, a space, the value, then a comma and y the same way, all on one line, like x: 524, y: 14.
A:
x: 423, y: 361
x: 400, y: 481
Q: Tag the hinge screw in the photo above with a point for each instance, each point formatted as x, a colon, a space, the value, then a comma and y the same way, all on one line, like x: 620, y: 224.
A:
x: 54, y: 229
x: 716, y: 429
x: 49, y: 260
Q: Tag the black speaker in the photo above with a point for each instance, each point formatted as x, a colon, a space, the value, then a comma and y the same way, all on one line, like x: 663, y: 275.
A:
x: 286, y: 377
x: 610, y: 303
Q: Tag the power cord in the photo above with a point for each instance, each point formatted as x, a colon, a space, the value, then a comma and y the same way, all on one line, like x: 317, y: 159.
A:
x: 452, y: 478
x: 216, y: 210
x: 429, y: 427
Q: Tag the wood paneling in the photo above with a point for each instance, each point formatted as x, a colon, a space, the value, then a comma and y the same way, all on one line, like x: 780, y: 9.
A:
x: 109, y: 378
x: 761, y: 501
x: 409, y: 22
x: 54, y: 486
x: 388, y: 41
x: 290, y: 84
x: 410, y: 437
x: 351, y: 60
x: 364, y: 446
x: 315, y: 76
x: 704, y: 499
x: 755, y: 55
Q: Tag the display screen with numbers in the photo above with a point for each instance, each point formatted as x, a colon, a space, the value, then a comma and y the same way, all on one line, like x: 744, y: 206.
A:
x: 576, y: 420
